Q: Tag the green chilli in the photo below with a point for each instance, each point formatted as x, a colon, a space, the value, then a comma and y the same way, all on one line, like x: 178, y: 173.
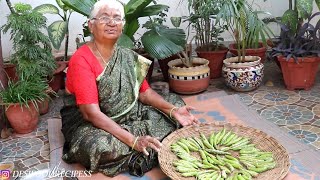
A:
x: 226, y: 136
x: 205, y: 141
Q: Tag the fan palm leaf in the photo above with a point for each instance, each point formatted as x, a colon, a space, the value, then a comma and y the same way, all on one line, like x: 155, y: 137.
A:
x: 158, y: 46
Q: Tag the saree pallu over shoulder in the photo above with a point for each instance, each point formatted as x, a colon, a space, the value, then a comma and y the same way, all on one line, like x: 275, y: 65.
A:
x: 120, y: 82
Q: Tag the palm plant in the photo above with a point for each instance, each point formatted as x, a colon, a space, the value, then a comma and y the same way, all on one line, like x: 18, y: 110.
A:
x: 59, y: 29
x: 159, y: 47
x: 203, y: 20
x: 160, y: 37
x: 244, y: 24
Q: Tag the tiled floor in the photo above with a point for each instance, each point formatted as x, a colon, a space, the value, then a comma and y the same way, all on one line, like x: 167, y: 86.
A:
x: 30, y: 151
x: 296, y: 112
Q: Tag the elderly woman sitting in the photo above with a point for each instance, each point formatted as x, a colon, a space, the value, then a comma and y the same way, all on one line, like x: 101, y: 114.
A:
x: 112, y: 120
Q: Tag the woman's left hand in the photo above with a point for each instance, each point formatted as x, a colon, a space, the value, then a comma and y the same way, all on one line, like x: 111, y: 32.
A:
x: 184, y: 117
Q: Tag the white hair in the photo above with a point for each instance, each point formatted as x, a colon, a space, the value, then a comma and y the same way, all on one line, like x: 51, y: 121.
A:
x: 110, y: 3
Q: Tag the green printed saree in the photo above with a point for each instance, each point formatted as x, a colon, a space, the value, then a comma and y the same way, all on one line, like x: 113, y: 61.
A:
x: 118, y: 88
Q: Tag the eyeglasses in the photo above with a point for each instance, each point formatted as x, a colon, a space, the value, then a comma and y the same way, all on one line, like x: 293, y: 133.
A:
x: 107, y: 20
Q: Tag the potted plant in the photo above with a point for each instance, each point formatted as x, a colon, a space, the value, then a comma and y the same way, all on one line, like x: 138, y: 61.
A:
x: 21, y: 102
x: 255, y: 36
x: 154, y: 21
x: 208, y: 31
x: 189, y: 75
x: 243, y: 73
x: 159, y: 38
x: 299, y: 53
x: 32, y: 47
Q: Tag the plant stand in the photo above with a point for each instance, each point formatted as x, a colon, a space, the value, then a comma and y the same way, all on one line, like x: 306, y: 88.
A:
x: 245, y: 76
x: 299, y: 75
x: 189, y: 80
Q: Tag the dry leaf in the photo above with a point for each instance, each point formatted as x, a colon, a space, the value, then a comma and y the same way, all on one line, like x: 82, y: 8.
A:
x: 269, y: 83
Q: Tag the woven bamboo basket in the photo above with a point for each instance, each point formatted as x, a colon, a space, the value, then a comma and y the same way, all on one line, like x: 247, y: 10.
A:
x: 263, y: 141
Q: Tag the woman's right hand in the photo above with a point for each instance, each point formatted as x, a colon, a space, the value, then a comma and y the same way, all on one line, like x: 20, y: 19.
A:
x: 143, y: 142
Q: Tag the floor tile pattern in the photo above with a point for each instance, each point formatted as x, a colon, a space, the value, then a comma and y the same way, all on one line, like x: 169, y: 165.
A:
x: 31, y: 151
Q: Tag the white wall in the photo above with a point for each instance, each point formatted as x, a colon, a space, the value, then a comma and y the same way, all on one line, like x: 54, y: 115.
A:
x: 177, y: 8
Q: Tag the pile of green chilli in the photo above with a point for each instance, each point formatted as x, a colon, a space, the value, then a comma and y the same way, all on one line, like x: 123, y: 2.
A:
x: 224, y: 155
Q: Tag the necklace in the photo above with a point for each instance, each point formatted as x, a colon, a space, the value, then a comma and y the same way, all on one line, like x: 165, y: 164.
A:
x: 95, y: 45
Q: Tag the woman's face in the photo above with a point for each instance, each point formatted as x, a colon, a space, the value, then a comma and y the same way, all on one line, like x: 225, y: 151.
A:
x: 107, y: 25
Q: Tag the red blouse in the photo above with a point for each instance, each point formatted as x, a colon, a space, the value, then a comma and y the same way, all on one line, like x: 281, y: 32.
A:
x: 82, y: 72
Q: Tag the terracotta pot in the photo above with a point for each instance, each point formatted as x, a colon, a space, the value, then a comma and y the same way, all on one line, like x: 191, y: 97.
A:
x: 11, y: 71
x: 261, y: 51
x: 215, y: 60
x: 57, y: 81
x: 299, y: 75
x: 22, y: 119
x: 244, y: 76
x: 43, y: 106
x: 189, y: 80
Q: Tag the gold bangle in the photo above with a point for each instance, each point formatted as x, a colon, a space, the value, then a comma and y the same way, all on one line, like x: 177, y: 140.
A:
x: 135, y: 142
x: 172, y: 109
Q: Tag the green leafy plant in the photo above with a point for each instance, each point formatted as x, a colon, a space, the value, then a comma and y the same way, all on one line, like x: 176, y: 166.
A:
x: 244, y: 24
x: 168, y: 37
x: 135, y: 9
x: 298, y: 11
x: 203, y: 19
x: 305, y: 42
x: 32, y: 47
x: 160, y: 39
x: 33, y: 89
x: 58, y: 30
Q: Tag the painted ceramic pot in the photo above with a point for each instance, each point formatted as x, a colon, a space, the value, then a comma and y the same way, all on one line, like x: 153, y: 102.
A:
x: 244, y: 76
